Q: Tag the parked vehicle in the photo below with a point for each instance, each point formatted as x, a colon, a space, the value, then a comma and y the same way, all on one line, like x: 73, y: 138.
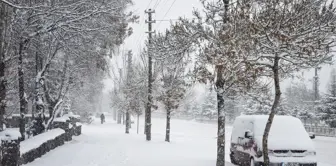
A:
x: 289, y: 144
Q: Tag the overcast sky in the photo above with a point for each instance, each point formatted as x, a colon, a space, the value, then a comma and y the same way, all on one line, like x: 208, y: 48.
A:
x: 171, y: 10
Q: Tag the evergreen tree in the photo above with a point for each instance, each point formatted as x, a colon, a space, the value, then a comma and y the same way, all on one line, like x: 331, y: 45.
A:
x: 209, y: 106
x: 230, y: 108
x: 327, y: 108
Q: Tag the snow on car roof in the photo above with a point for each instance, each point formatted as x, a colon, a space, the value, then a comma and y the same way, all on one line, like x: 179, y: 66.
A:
x: 281, y: 125
x: 264, y: 117
x: 286, y: 131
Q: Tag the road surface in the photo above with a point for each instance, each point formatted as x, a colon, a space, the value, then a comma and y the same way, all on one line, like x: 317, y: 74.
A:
x: 192, y: 144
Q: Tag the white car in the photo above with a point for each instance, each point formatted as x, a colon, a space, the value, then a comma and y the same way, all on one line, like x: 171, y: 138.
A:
x: 288, y: 143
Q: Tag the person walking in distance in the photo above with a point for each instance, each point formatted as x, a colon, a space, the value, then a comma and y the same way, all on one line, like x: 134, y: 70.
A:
x: 102, y: 118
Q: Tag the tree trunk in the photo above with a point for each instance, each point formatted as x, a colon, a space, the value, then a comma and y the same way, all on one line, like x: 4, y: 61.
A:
x: 148, y: 124
x: 119, y: 118
x: 145, y: 126
x: 114, y: 114
x: 2, y: 94
x: 138, y: 123
x: 168, y: 126
x: 2, y: 65
x: 221, y: 118
x: 22, y: 95
x: 55, y: 104
x: 128, y: 122
x: 38, y: 86
x: 123, y: 118
x: 220, y: 104
x: 273, y: 110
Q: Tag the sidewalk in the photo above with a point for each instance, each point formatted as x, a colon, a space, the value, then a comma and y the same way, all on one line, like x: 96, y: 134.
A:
x: 107, y: 145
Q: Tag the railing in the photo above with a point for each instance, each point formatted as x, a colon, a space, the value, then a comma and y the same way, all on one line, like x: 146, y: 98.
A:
x: 322, y: 131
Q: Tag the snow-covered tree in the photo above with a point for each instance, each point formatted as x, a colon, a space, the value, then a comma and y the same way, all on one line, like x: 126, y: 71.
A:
x: 47, y: 38
x: 209, y: 109
x: 217, y: 42
x: 327, y: 108
x: 299, y: 96
x: 288, y: 36
x: 231, y: 108
x: 258, y: 102
x: 172, y: 75
x: 5, y: 17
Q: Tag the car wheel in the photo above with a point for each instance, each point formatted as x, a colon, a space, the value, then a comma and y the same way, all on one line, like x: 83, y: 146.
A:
x: 233, y: 160
x: 252, y: 163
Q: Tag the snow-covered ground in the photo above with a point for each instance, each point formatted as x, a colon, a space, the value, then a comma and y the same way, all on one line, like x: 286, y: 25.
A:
x: 192, y: 144
x: 326, y: 151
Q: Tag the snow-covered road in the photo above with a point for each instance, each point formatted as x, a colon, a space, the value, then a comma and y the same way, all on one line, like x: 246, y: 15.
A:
x: 326, y: 151
x: 192, y: 144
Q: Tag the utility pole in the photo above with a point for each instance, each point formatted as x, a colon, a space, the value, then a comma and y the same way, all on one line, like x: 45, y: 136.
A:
x: 316, y: 89
x: 148, y: 111
x: 316, y: 84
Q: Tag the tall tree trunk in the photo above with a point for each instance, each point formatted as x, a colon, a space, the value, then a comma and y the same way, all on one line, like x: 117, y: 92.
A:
x: 2, y: 93
x: 119, y: 118
x: 114, y: 114
x: 22, y: 95
x: 221, y: 118
x: 54, y: 105
x: 220, y: 104
x: 138, y: 123
x: 168, y: 126
x: 38, y: 86
x: 3, y: 89
x: 128, y: 122
x: 145, y: 126
x: 273, y: 110
x: 123, y: 118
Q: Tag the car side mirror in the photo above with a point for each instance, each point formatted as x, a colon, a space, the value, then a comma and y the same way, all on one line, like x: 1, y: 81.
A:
x: 312, y: 135
x: 248, y: 134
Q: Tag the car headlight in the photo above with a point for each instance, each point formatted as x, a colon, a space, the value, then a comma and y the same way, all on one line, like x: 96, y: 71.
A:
x: 311, y: 153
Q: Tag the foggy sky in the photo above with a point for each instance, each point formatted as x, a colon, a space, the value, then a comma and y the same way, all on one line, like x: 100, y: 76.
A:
x: 184, y: 8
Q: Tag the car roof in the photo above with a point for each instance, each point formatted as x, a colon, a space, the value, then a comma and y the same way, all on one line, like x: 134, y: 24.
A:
x: 263, y: 117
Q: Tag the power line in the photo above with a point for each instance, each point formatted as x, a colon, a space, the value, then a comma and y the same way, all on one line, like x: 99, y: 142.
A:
x: 176, y: 19
x: 149, y: 4
x: 165, y: 14
x: 139, y: 39
x: 157, y: 4
x: 162, y: 6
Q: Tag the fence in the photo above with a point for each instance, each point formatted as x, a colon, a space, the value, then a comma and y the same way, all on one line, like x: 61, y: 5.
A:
x: 322, y: 131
